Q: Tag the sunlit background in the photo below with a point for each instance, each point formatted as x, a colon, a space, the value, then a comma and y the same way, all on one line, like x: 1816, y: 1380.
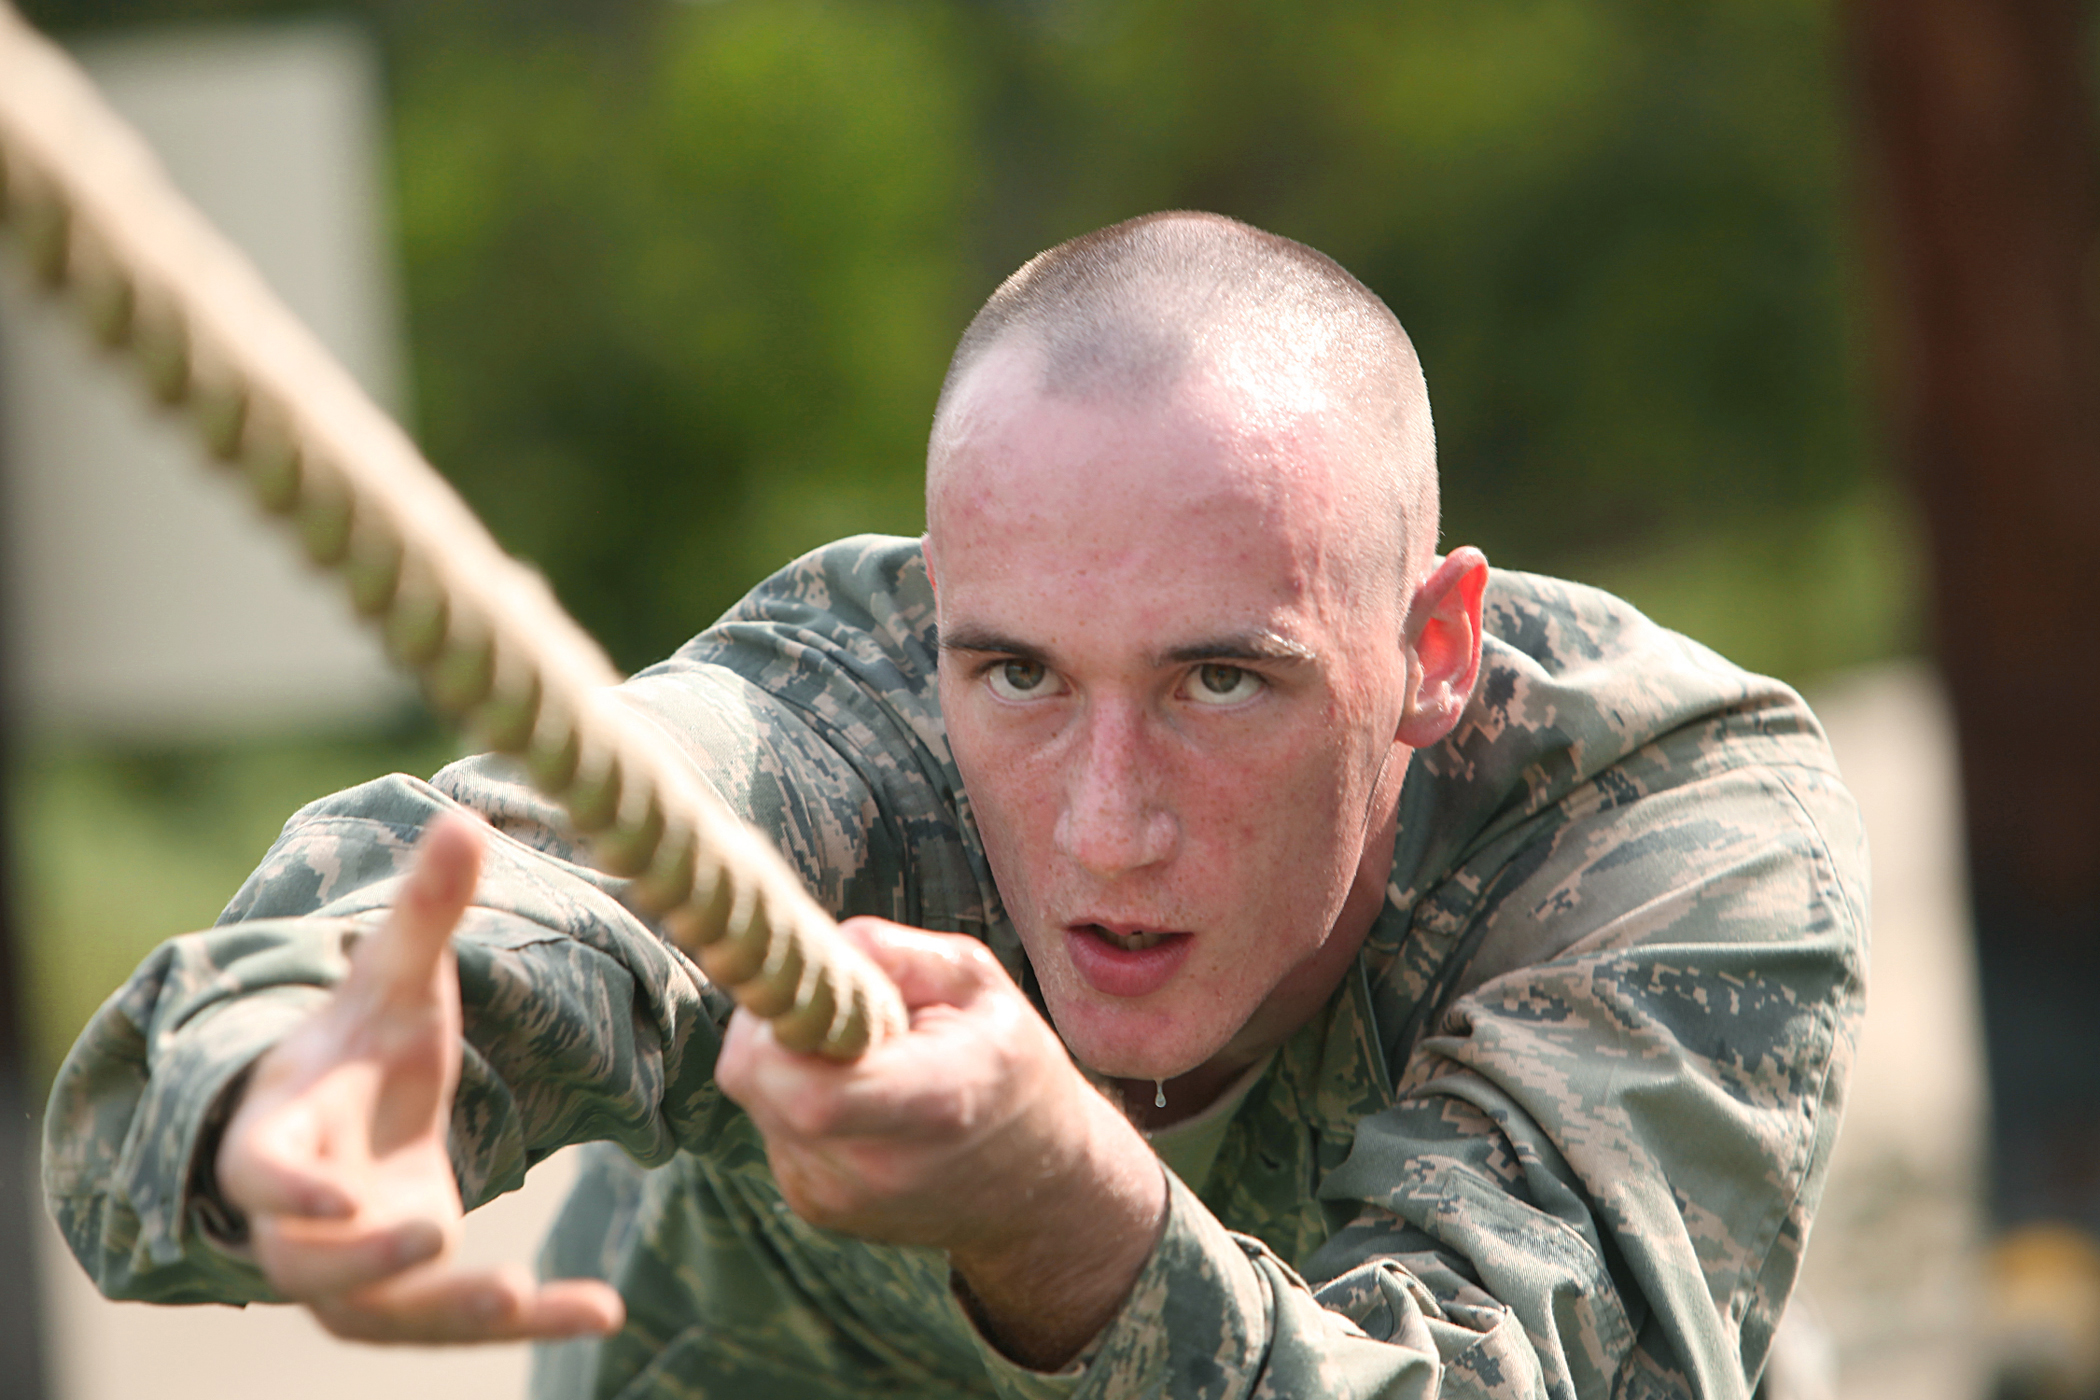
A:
x: 667, y: 290
x: 679, y: 282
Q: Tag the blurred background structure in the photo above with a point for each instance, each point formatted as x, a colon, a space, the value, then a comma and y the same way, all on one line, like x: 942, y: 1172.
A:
x: 1738, y: 309
x: 1984, y: 203
x: 145, y: 609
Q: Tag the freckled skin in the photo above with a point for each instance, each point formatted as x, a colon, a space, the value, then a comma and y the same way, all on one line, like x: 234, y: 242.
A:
x: 1182, y: 685
x: 1104, y: 537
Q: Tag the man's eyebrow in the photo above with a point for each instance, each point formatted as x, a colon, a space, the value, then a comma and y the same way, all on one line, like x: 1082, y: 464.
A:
x: 1258, y: 645
x: 985, y: 640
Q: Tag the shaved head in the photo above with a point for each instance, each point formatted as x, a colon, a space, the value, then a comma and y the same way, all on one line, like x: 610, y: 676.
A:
x: 1129, y: 314
x: 1181, y: 528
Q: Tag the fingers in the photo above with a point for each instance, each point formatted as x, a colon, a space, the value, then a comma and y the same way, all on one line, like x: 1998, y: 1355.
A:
x: 400, y: 961
x: 927, y: 1083
x: 798, y: 1095
x: 896, y: 1082
x: 337, y: 1151
x: 501, y: 1305
x: 928, y: 968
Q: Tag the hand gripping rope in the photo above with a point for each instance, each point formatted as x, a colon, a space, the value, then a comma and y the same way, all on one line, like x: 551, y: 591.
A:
x: 89, y: 207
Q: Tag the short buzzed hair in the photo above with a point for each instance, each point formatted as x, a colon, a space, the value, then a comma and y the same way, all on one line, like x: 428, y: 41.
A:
x: 1130, y: 310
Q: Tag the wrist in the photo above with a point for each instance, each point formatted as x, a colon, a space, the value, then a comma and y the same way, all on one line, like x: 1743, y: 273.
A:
x: 1041, y: 1293
x: 225, y: 1223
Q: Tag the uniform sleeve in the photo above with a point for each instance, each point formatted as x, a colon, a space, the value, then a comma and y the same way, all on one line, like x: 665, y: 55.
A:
x: 1623, y: 1143
x: 1598, y: 1171
x: 581, y: 1022
x: 808, y: 709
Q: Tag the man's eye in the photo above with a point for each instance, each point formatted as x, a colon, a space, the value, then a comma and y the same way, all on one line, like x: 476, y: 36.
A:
x: 1223, y: 685
x: 1020, y: 680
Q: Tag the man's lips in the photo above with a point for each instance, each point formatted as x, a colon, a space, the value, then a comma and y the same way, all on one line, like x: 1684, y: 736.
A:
x: 1126, y: 960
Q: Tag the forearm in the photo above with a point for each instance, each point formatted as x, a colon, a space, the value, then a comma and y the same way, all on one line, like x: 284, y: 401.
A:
x: 1044, y: 1294
x: 579, y: 1024
x: 1131, y: 1278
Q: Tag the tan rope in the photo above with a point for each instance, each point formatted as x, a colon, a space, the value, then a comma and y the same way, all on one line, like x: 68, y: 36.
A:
x: 92, y: 210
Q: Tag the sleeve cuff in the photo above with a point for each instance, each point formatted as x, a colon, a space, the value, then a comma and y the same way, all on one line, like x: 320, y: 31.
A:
x: 194, y: 1069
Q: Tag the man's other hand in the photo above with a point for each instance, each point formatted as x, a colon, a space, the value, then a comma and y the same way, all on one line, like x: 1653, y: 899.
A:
x: 337, y: 1155
x: 973, y: 1132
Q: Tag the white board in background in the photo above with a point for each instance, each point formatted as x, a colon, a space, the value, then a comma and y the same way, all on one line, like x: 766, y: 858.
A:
x: 146, y: 601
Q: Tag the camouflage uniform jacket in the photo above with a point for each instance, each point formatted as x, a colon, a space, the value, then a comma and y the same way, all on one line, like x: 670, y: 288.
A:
x: 1560, y: 1133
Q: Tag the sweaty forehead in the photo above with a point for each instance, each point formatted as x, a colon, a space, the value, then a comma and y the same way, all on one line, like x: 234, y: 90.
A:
x: 1017, y: 466
x: 1018, y: 456
x: 1018, y: 424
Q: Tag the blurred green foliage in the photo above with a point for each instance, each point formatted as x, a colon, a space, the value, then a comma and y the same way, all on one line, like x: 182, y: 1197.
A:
x: 682, y: 281
x: 119, y: 850
x: 683, y: 278
x: 680, y: 306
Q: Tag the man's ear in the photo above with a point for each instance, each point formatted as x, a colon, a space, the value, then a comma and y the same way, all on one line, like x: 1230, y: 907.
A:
x: 926, y: 554
x: 1443, y: 646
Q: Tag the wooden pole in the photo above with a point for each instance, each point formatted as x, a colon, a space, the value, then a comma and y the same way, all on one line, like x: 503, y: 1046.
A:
x: 1983, y: 204
x: 22, y: 1371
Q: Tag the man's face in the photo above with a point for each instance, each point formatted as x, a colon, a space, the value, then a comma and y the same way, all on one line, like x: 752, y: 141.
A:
x: 1171, y: 674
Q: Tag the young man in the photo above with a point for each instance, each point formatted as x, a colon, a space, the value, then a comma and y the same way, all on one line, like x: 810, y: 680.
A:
x: 1483, y: 960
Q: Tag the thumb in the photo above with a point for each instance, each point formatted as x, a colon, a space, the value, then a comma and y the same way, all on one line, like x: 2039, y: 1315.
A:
x: 399, y: 961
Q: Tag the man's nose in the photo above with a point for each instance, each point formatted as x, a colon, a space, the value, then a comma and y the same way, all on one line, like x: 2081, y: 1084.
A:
x: 1113, y: 821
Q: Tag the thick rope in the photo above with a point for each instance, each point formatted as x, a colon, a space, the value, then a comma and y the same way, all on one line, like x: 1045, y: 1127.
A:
x: 91, y: 209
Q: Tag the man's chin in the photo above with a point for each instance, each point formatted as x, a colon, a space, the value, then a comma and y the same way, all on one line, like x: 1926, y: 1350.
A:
x: 1125, y: 1043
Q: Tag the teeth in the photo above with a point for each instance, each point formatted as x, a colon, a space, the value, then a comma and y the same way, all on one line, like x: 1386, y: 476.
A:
x: 1133, y: 942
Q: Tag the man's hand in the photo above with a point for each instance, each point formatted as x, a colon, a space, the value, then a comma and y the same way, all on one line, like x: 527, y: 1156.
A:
x: 337, y: 1152
x: 973, y: 1133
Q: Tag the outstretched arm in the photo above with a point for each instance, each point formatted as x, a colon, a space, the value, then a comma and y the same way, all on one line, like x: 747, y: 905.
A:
x: 337, y: 1158
x: 580, y: 1023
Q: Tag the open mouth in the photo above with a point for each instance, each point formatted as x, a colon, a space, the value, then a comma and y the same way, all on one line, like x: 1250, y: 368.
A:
x: 1126, y: 961
x: 1136, y: 941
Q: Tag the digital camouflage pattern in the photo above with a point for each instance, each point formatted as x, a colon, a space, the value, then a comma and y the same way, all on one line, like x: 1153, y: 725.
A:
x: 1561, y: 1134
